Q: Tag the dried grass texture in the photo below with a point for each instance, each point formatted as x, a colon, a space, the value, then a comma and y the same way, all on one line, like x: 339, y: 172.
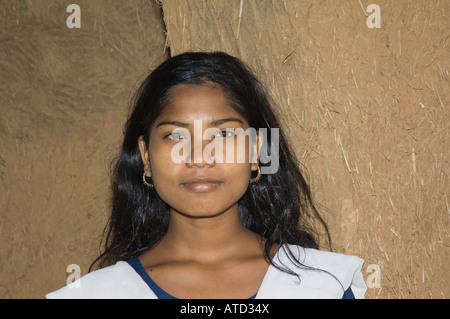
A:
x: 367, y: 112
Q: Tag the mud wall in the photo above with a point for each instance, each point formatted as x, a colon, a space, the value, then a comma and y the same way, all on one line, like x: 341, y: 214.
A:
x: 365, y: 108
x: 367, y: 111
x: 64, y: 94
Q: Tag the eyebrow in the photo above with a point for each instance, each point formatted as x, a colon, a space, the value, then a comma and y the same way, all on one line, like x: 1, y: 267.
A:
x: 213, y: 123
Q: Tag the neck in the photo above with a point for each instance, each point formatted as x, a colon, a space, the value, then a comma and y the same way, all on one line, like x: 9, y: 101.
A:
x: 206, y: 239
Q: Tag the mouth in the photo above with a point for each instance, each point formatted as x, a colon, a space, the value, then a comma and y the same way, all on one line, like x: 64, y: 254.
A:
x: 201, y: 185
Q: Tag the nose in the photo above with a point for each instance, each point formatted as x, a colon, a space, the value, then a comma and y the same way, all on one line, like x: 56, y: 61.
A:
x: 200, y: 150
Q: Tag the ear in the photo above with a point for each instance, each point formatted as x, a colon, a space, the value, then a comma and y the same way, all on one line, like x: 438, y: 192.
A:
x: 144, y: 155
x: 256, y: 150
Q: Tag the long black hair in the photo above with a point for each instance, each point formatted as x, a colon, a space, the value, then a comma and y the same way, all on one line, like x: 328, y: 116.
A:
x: 279, y: 207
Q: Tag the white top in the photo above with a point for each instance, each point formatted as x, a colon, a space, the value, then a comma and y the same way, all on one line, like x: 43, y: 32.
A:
x: 121, y: 281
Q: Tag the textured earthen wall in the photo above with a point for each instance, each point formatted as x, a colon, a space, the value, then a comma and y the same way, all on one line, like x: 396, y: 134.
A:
x: 367, y: 111
x: 365, y: 108
x: 64, y: 94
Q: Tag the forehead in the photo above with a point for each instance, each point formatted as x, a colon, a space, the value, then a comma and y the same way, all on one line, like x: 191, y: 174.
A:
x: 198, y: 102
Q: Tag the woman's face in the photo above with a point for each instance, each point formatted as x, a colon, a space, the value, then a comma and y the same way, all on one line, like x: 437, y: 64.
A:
x: 199, y: 185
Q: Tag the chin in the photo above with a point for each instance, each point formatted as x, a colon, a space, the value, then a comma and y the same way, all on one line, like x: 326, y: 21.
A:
x: 200, y: 210
x: 198, y: 214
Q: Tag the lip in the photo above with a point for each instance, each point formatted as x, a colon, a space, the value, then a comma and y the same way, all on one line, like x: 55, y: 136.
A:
x: 201, y: 184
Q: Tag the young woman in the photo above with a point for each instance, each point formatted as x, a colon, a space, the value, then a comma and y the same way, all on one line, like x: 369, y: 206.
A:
x: 193, y: 213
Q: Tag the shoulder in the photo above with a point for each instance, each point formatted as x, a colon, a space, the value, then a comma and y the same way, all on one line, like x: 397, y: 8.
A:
x: 118, y: 281
x: 321, y: 274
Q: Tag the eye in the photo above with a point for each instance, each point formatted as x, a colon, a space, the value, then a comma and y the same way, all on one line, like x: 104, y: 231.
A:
x: 175, y: 136
x: 224, y: 134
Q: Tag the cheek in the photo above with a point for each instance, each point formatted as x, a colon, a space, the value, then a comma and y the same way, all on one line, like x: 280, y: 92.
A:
x: 239, y: 178
x: 165, y: 176
x: 163, y: 169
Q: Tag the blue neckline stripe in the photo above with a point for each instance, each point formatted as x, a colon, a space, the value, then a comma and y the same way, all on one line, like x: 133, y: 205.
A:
x: 137, y: 266
x: 348, y: 294
x: 159, y: 292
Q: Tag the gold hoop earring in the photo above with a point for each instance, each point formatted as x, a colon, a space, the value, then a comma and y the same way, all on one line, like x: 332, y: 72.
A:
x: 145, y: 181
x: 257, y: 178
